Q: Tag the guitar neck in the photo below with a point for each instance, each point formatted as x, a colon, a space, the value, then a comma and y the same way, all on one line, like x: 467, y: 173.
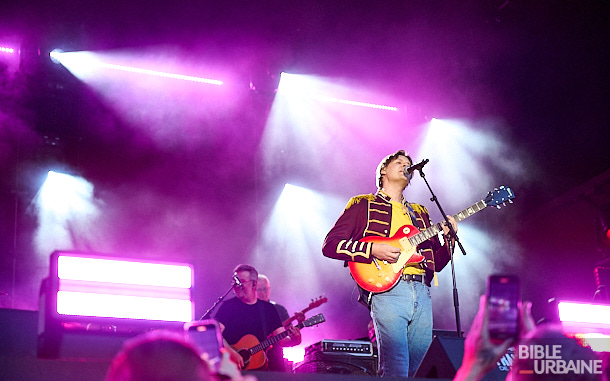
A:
x: 312, y: 305
x: 270, y: 341
x: 293, y: 317
x: 436, y: 228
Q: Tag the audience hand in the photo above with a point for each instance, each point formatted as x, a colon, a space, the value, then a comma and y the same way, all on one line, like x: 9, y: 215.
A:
x: 228, y: 369
x: 235, y: 357
x: 480, y: 353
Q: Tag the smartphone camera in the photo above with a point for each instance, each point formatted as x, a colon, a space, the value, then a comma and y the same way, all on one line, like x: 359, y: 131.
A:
x: 205, y: 335
x: 503, y: 304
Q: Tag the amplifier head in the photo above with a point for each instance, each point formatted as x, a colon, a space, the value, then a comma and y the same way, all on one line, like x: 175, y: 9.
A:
x: 352, y: 347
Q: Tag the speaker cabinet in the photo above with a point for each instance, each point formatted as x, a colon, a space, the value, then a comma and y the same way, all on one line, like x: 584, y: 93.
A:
x: 444, y: 357
x: 319, y: 362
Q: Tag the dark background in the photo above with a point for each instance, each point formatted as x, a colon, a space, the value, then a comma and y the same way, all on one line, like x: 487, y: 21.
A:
x: 201, y: 192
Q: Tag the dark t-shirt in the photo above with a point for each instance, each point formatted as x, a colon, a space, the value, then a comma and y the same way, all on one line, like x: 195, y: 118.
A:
x: 259, y: 319
x: 276, y: 353
x: 281, y: 310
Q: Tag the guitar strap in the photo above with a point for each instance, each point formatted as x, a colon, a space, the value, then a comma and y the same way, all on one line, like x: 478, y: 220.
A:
x: 412, y: 215
x: 261, y: 316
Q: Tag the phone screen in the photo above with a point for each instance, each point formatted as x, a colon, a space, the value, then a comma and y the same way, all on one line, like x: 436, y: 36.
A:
x: 503, y: 301
x: 205, y: 335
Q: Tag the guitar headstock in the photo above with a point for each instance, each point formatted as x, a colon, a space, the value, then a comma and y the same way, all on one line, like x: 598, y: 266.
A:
x: 499, y: 196
x: 316, y: 319
x: 318, y: 302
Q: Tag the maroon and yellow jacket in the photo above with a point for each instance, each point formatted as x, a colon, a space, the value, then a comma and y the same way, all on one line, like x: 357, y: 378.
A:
x: 371, y: 214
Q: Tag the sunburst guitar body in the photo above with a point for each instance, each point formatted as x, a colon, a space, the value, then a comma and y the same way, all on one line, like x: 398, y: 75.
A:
x: 380, y: 276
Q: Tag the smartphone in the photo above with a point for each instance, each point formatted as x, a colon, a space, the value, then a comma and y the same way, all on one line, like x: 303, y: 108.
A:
x: 205, y: 335
x: 503, y: 304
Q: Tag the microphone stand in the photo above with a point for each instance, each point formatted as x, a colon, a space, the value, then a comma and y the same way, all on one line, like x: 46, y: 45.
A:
x: 451, y: 248
x: 216, y: 303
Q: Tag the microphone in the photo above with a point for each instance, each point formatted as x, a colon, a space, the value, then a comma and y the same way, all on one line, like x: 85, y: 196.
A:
x: 408, y: 171
x: 236, y: 281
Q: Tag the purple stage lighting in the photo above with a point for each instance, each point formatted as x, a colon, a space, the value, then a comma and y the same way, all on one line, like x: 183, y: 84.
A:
x: 4, y: 49
x: 306, y: 87
x: 76, y: 61
x: 162, y: 74
x: 359, y: 104
x: 55, y: 55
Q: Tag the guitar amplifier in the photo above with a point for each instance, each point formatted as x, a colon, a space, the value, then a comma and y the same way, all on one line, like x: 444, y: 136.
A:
x: 339, y: 357
x: 352, y: 347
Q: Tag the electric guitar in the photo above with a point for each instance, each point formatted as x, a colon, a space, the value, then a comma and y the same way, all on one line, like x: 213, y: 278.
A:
x: 380, y: 276
x: 314, y: 303
x: 252, y: 351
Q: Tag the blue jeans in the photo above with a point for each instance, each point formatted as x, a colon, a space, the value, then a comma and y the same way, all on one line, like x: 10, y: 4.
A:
x: 403, y: 327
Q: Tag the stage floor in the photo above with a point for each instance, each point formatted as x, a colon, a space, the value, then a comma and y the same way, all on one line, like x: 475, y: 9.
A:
x: 86, y: 357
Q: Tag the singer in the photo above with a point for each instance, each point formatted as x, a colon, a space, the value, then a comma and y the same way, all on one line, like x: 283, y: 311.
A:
x: 402, y: 316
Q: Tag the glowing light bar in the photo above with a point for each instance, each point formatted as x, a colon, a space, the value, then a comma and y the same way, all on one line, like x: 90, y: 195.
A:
x: 123, y: 306
x: 124, y: 272
x: 87, y: 59
x: 4, y: 49
x: 585, y: 313
x: 96, y: 286
x: 360, y: 104
x: 162, y: 74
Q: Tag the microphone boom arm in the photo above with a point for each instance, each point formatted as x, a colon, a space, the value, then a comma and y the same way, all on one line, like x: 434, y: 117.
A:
x: 209, y: 311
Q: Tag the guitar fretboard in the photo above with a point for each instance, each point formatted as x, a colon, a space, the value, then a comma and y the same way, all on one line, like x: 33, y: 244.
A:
x: 270, y: 341
x: 436, y: 228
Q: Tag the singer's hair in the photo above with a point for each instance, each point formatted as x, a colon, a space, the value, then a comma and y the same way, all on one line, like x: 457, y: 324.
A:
x: 248, y: 268
x: 387, y: 160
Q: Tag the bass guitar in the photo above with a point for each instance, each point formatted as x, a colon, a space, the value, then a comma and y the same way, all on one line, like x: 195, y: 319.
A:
x: 252, y: 351
x: 380, y: 276
x: 314, y: 303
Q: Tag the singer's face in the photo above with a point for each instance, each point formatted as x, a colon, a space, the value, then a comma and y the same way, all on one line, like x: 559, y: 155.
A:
x: 395, y: 169
x: 247, y: 291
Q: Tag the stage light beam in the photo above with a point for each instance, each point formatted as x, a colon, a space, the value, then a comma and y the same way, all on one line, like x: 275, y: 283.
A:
x: 304, y: 87
x: 67, y: 211
x: 76, y: 62
x: 64, y: 195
